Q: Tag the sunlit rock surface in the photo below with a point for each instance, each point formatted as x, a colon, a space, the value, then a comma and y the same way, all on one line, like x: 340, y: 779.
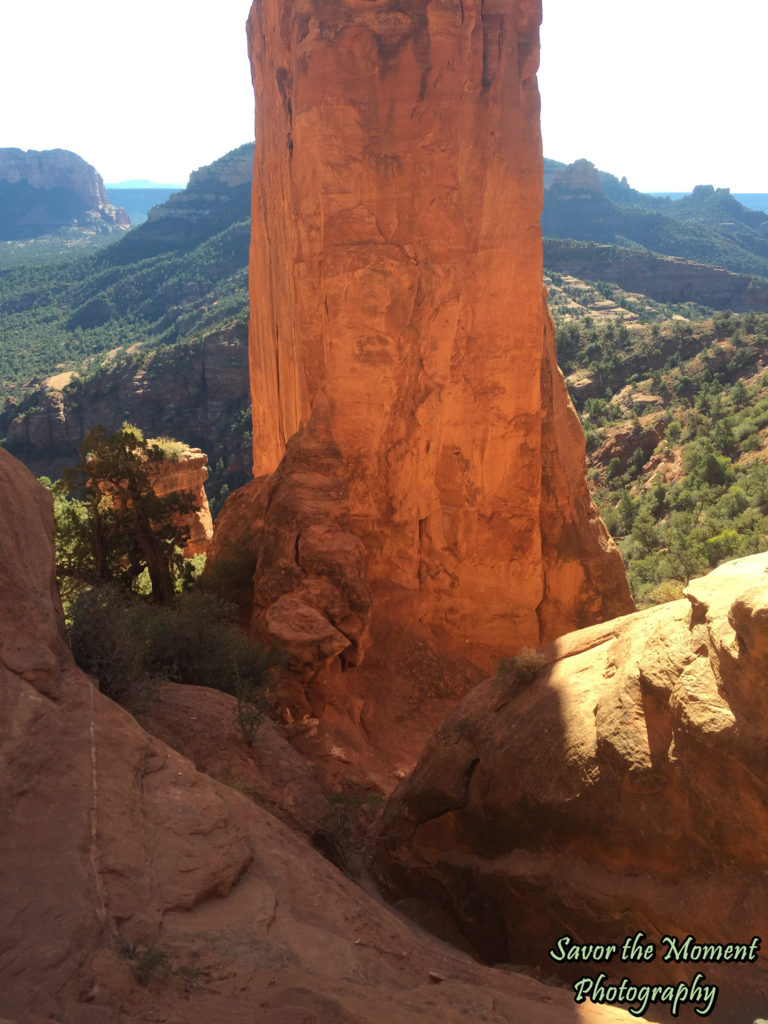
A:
x: 624, y: 790
x: 187, y: 472
x: 396, y: 281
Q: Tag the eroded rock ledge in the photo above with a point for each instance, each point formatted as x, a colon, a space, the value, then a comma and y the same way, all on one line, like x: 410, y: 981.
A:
x: 626, y: 789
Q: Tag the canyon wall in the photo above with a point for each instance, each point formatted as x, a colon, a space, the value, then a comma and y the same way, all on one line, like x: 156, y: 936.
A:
x: 53, y: 168
x: 398, y: 317
x: 663, y: 278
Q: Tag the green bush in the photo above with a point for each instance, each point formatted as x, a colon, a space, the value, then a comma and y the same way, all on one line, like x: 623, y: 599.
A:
x: 109, y: 636
x: 129, y: 645
x: 350, y: 812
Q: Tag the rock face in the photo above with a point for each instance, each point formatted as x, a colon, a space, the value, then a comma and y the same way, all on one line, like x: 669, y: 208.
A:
x: 625, y: 790
x: 580, y: 176
x: 122, y: 862
x: 188, y: 472
x: 50, y: 189
x: 396, y: 288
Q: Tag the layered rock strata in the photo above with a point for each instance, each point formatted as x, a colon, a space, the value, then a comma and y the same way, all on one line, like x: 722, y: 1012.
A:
x: 663, y: 278
x: 625, y: 790
x: 396, y: 280
x: 136, y: 888
x: 52, y: 189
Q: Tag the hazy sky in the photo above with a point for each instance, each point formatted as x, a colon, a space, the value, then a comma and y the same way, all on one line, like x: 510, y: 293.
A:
x: 670, y: 93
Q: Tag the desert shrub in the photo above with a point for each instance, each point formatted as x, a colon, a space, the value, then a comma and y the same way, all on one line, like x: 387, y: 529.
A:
x: 349, y: 812
x: 230, y: 579
x: 110, y: 634
x: 150, y: 963
x: 129, y: 644
x: 172, y: 450
x: 522, y: 667
x: 751, y: 443
x: 668, y: 590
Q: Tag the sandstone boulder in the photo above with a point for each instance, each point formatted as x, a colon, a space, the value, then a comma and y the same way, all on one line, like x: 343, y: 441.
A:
x: 625, y: 790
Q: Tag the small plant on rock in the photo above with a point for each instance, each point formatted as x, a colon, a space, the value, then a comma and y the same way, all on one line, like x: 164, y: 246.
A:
x: 523, y: 667
x: 150, y: 963
x: 349, y: 812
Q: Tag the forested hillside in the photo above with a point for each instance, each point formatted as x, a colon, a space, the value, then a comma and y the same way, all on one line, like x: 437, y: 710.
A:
x: 675, y: 413
x: 707, y: 227
x: 673, y: 396
x: 184, y: 270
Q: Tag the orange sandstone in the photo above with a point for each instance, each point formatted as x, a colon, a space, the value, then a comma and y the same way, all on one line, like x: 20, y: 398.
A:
x: 396, y: 283
x: 187, y: 472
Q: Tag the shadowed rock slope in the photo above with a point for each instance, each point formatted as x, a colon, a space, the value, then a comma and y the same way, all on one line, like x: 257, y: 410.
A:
x: 121, y: 863
x: 625, y: 790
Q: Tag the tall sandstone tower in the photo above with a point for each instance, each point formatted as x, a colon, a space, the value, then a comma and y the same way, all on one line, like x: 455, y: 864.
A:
x: 400, y: 336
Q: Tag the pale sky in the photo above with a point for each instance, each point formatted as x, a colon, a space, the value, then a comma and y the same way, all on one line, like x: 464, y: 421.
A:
x: 669, y: 93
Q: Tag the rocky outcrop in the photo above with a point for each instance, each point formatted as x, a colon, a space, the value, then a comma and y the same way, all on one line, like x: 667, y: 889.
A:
x: 136, y: 888
x: 396, y: 282
x: 187, y: 471
x: 625, y: 790
x: 54, y: 168
x: 580, y: 176
x: 622, y: 442
x: 51, y: 189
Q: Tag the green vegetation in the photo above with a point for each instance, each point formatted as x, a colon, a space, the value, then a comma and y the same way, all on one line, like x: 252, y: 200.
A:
x: 117, y: 527
x: 131, y: 645
x: 153, y: 964
x: 676, y: 423
x: 149, y: 963
x: 136, y: 613
x: 348, y: 817
x: 60, y: 315
x: 709, y: 226
x: 133, y: 316
x: 182, y: 271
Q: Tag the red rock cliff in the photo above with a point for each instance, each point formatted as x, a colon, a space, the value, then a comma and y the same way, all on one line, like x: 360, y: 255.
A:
x: 396, y: 274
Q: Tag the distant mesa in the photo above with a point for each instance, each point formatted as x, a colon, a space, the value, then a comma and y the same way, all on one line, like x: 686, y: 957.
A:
x: 581, y: 176
x: 704, y: 247
x: 45, y: 191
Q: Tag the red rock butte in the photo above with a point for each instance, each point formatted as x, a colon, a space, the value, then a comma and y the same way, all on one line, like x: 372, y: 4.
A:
x: 396, y: 293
